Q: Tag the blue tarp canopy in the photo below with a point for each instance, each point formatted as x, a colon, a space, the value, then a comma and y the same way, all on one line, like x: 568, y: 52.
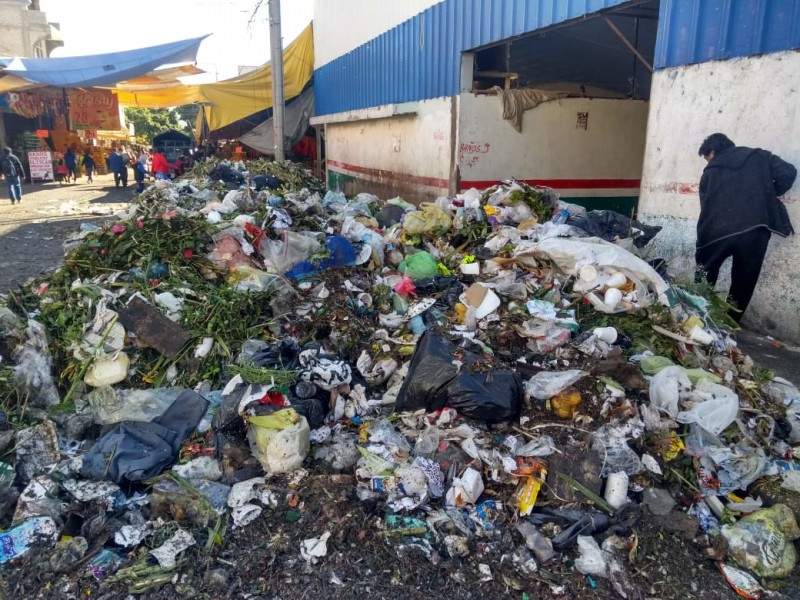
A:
x: 102, y: 69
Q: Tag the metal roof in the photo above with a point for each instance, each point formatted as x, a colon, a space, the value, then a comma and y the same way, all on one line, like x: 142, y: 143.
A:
x: 589, y: 53
x: 421, y: 58
x: 694, y: 31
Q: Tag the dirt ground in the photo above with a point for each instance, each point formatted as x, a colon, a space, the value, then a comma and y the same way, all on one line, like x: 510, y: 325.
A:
x: 262, y: 560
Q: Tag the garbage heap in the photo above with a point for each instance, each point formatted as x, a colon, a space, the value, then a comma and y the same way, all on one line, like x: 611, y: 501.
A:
x: 498, y: 366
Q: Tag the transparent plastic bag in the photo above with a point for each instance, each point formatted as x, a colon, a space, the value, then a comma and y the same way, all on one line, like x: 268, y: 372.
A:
x: 282, y: 254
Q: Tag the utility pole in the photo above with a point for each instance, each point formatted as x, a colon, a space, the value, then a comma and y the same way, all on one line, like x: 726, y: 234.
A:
x: 276, y: 60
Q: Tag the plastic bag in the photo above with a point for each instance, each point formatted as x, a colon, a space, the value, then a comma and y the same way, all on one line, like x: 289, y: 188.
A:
x: 279, y: 441
x: 547, y: 384
x: 592, y: 560
x: 610, y: 226
x: 434, y: 382
x: 428, y: 220
x: 291, y: 248
x: 32, y: 373
x: 250, y: 279
x: 420, y: 265
x: 653, y: 364
x: 668, y: 387
x: 340, y: 254
x: 716, y: 409
x: 111, y: 406
x: 324, y: 371
x: 762, y: 541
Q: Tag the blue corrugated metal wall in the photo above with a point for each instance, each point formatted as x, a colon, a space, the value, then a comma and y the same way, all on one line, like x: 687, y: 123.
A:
x: 421, y: 58
x: 693, y: 31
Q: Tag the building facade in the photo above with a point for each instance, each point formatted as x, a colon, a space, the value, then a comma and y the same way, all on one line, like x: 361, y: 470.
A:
x: 24, y: 30
x: 411, y: 98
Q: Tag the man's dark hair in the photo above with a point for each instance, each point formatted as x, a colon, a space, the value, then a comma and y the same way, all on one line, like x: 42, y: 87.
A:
x: 718, y: 142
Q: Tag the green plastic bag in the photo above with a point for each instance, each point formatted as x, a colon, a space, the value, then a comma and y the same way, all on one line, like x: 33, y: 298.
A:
x: 419, y: 266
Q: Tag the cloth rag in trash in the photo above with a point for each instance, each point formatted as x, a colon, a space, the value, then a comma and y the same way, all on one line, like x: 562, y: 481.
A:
x: 138, y: 450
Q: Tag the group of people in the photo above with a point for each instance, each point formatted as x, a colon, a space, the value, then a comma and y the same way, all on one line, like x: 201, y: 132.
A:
x: 120, y: 159
x: 67, y: 168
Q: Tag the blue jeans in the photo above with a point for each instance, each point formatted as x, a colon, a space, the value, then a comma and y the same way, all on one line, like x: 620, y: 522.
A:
x: 14, y: 188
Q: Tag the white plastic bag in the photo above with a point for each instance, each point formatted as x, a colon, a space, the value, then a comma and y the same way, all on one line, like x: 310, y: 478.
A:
x: 547, y: 384
x: 717, y: 407
x: 284, y: 253
x: 667, y: 388
x: 279, y: 441
x: 592, y: 560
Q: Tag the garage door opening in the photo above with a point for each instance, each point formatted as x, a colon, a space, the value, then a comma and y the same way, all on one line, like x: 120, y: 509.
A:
x: 586, y: 138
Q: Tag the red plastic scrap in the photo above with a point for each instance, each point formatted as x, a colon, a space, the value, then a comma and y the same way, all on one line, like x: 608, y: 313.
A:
x: 274, y: 398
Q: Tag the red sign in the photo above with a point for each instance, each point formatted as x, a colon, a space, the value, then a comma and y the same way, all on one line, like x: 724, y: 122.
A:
x: 90, y: 134
x: 42, y: 133
x: 97, y: 109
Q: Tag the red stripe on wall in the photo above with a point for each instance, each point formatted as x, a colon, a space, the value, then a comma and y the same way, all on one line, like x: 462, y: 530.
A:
x: 561, y: 184
x: 385, y: 175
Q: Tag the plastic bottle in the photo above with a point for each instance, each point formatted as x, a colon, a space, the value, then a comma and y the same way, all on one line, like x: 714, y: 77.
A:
x: 428, y: 442
x: 541, y: 546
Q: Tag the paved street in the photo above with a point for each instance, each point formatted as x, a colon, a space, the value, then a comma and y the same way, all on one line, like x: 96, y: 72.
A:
x: 31, y: 233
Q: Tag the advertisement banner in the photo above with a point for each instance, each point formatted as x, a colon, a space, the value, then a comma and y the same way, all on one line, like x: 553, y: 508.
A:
x: 96, y: 109
x: 41, y: 165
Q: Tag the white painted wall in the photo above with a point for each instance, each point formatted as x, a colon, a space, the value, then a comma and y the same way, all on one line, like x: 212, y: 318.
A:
x: 550, y: 145
x: 754, y: 101
x: 343, y: 25
x: 408, y: 147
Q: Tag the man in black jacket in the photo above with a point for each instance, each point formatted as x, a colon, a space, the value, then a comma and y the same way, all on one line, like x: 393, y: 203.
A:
x: 739, y: 211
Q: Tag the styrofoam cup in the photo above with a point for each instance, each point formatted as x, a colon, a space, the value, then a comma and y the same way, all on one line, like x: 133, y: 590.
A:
x: 588, y: 274
x: 617, y: 279
x: 607, y: 334
x: 616, y: 493
x: 700, y: 335
x: 471, y: 268
x: 612, y: 297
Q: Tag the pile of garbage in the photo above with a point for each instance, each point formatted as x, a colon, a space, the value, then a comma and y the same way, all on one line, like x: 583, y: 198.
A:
x: 497, y: 367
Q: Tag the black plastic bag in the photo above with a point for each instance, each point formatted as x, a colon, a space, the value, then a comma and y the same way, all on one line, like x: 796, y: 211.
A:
x: 280, y: 355
x: 389, y: 215
x: 610, y: 225
x: 226, y: 173
x: 313, y: 409
x: 434, y: 382
x: 139, y: 450
x: 575, y: 522
x: 266, y: 181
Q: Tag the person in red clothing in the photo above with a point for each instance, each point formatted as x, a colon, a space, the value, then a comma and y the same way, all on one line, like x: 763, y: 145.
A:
x: 161, y: 166
x: 306, y: 148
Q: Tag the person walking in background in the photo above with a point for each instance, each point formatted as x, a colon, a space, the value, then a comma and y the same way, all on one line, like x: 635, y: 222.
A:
x: 89, y: 165
x: 739, y: 211
x: 71, y: 162
x: 61, y: 172
x: 161, y: 166
x: 12, y: 170
x: 140, y: 172
x: 117, y: 165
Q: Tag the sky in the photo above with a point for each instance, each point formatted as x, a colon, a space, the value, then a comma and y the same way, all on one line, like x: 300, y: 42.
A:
x: 99, y: 26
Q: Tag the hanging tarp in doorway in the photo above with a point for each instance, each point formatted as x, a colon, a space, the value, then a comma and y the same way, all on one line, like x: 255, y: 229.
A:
x: 297, y: 115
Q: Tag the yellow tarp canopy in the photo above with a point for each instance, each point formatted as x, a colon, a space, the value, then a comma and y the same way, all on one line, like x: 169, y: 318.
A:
x: 228, y: 101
